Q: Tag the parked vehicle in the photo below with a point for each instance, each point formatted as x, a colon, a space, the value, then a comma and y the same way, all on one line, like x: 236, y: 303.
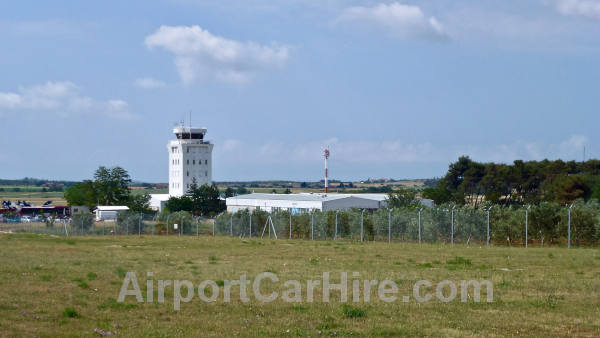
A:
x: 26, y: 219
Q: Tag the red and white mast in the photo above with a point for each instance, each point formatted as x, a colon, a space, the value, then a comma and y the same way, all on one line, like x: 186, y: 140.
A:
x: 326, y: 176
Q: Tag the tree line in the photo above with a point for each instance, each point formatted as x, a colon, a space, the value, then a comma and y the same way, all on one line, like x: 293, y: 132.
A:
x: 522, y: 182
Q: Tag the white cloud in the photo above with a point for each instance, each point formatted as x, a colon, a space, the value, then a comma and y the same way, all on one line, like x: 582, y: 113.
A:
x: 393, y: 152
x: 398, y: 20
x: 585, y: 8
x: 200, y: 54
x: 148, y: 83
x: 63, y: 98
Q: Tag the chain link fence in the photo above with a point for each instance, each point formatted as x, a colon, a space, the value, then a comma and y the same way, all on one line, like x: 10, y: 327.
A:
x: 540, y: 225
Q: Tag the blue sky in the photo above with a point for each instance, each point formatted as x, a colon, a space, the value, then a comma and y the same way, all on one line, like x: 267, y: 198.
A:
x: 395, y: 89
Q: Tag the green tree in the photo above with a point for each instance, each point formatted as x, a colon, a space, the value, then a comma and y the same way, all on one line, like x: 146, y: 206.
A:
x: 583, y: 222
x: 112, y: 185
x: 439, y: 195
x: 545, y: 219
x: 183, y: 203
x: 83, y: 193
x: 229, y: 192
x: 140, y: 203
x: 206, y: 199
x: 571, y: 188
x: 402, y: 198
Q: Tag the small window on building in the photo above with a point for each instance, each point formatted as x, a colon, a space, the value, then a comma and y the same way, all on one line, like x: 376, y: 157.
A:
x: 206, y: 173
x: 193, y: 161
x: 205, y: 161
x: 188, y: 162
x: 188, y: 174
x: 188, y: 149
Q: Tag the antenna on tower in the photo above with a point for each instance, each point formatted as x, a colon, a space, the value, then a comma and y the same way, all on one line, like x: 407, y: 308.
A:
x: 326, y: 154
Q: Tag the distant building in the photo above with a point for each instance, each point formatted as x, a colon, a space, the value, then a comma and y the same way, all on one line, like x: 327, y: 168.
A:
x: 190, y: 157
x: 75, y: 209
x: 305, y: 202
x: 109, y: 213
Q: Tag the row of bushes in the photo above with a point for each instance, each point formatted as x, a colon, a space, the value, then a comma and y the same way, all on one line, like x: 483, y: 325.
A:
x: 547, y: 224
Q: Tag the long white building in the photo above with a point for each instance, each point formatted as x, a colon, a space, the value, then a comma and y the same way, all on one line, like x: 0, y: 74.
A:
x: 305, y: 202
x: 190, y: 157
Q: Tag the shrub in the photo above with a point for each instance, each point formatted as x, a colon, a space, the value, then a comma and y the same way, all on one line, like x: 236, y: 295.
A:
x: 82, y: 220
x: 353, y: 312
x: 70, y: 313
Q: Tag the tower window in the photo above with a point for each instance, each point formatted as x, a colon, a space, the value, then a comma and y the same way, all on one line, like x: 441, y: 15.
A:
x: 188, y: 162
x: 193, y: 161
x: 188, y: 174
x: 206, y: 173
x: 205, y: 161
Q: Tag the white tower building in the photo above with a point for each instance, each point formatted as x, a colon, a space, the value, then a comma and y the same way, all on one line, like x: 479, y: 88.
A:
x: 190, y: 156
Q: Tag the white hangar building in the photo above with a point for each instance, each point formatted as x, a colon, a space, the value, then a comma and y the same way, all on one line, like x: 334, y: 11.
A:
x: 305, y: 202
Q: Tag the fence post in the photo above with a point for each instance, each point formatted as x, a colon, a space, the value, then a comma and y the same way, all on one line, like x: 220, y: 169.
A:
x: 390, y: 225
x: 527, y: 225
x: 362, y: 226
x: 140, y: 224
x: 168, y: 216
x: 312, y: 225
x: 197, y: 227
x: 336, y: 225
x: 452, y: 226
x: 231, y: 226
x: 290, y: 224
x: 420, y: 236
x: 213, y: 226
x: 569, y: 228
x: 488, y: 226
x: 180, y: 225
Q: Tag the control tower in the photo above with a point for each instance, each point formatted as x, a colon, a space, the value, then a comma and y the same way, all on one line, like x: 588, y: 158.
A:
x: 190, y: 156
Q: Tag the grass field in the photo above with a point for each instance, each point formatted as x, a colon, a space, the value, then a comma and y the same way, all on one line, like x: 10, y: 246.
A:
x: 68, y: 286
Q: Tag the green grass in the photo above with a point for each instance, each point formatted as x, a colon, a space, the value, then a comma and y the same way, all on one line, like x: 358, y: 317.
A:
x: 53, y: 288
